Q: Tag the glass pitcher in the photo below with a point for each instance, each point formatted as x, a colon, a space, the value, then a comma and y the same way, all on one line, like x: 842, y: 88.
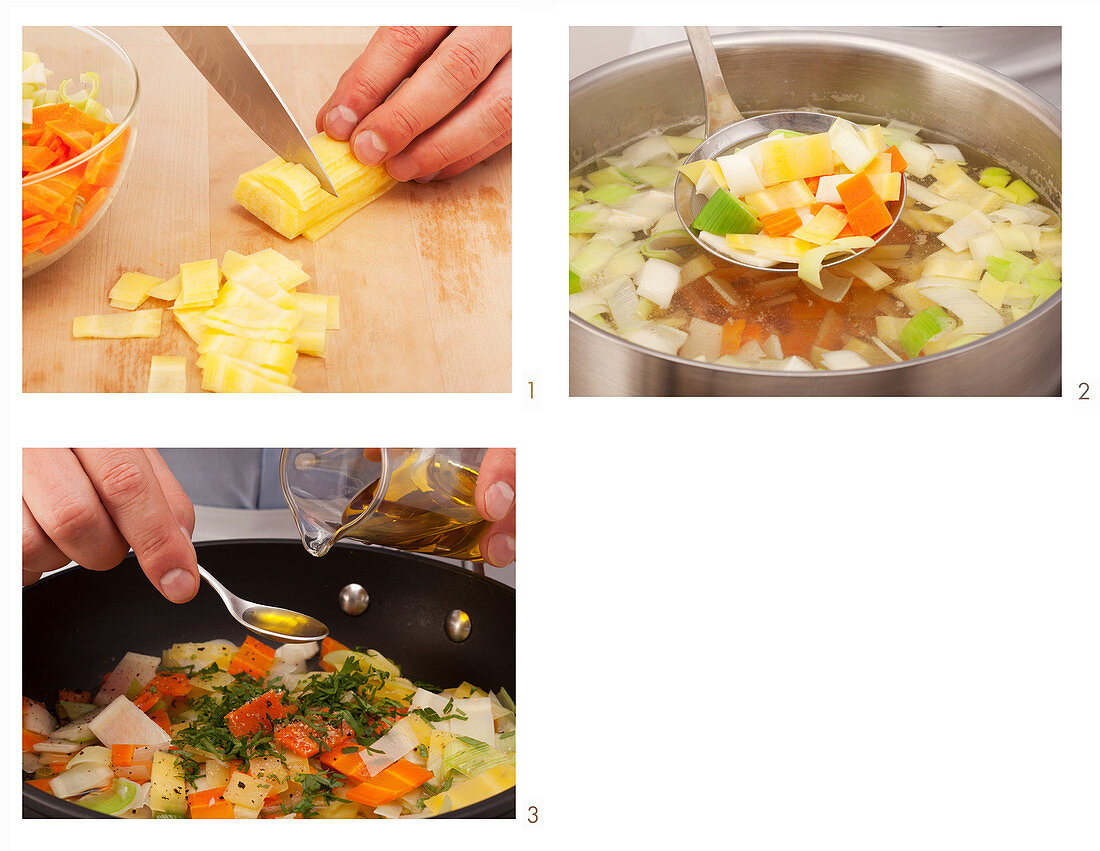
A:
x: 419, y: 500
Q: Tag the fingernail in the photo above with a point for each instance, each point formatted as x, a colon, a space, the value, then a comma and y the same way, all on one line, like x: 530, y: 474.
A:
x: 339, y: 122
x: 402, y: 168
x: 178, y: 585
x: 501, y: 550
x: 369, y: 148
x: 498, y: 500
x: 427, y: 178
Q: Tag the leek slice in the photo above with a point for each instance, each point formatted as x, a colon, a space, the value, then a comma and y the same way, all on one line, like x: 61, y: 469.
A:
x: 923, y: 327
x: 660, y: 245
x: 612, y: 193
x: 583, y: 221
x: 809, y: 265
x: 119, y: 796
x: 471, y: 757
x: 725, y: 214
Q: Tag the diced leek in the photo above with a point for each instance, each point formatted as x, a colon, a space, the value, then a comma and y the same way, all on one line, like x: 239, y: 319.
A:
x: 1023, y: 193
x: 683, y: 144
x: 922, y: 328
x: 592, y: 258
x: 583, y: 221
x: 724, y: 214
x: 611, y: 174
x: 655, y: 175
x: 994, y: 176
x: 611, y: 193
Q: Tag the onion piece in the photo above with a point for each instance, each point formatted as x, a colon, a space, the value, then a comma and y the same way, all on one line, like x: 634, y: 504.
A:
x: 843, y: 359
x: 77, y: 781
x: 704, y: 340
x: 958, y: 236
x: 660, y: 338
x: 946, y: 152
x: 658, y: 281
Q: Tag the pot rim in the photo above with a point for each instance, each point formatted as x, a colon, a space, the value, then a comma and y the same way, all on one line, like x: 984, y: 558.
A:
x: 1046, y: 112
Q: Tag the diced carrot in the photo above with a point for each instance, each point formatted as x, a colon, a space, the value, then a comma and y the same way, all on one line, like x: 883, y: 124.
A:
x: 812, y: 182
x: 389, y: 784
x: 808, y: 309
x: 79, y: 118
x: 752, y: 332
x: 41, y: 783
x: 218, y: 809
x: 49, y: 112
x: 782, y: 223
x: 855, y: 190
x: 897, y: 161
x: 254, y: 658
x: 39, y: 198
x: 351, y: 765
x: 77, y: 696
x: 731, y: 336
x: 103, y: 168
x: 870, y: 217
x: 160, y: 718
x: 122, y: 755
x: 206, y: 797
x: 31, y: 739
x: 78, y: 140
x: 796, y: 344
x: 37, y: 158
x: 257, y: 714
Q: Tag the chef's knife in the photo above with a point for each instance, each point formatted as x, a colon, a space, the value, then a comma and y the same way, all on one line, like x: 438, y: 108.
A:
x: 230, y: 68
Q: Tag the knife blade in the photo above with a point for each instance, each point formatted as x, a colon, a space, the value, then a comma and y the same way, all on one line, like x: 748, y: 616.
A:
x: 230, y: 68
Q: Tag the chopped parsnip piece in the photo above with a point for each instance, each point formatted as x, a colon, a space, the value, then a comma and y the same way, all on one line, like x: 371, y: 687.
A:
x: 168, y: 374
x: 116, y: 326
x: 286, y: 273
x: 225, y: 375
x: 290, y: 200
x: 132, y: 289
x: 167, y: 290
x: 279, y: 356
x: 200, y: 282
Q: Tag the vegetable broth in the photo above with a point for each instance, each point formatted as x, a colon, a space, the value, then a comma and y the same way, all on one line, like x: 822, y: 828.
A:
x: 768, y: 317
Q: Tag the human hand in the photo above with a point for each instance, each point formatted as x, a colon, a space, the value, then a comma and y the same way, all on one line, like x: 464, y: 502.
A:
x: 495, y: 498
x: 92, y: 505
x: 453, y: 111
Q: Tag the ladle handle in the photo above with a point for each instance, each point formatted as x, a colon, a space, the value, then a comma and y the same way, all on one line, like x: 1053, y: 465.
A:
x: 721, y: 109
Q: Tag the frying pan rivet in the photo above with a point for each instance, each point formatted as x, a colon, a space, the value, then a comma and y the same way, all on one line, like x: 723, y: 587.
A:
x: 354, y: 599
x: 457, y: 625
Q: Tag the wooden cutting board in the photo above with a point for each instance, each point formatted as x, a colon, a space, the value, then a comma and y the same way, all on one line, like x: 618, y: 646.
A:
x: 423, y: 274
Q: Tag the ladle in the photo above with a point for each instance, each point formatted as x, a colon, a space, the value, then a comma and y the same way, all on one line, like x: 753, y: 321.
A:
x: 271, y: 621
x: 727, y: 128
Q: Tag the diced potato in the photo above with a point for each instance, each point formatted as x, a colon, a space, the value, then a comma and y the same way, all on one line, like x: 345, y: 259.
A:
x: 167, y: 792
x: 247, y: 791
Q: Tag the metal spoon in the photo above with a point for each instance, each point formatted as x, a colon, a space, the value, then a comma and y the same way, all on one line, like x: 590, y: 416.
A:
x: 282, y: 624
x: 726, y: 128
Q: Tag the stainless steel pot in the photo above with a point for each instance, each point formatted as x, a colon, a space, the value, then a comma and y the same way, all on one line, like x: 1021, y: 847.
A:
x: 840, y: 73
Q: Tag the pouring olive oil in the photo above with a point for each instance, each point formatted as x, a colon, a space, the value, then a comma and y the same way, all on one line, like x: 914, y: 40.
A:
x: 418, y: 500
x: 427, y: 508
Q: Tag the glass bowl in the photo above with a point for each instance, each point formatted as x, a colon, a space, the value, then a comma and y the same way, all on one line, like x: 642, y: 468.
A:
x: 99, y: 171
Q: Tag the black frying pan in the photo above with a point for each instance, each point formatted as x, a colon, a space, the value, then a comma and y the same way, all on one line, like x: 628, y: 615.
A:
x: 78, y: 623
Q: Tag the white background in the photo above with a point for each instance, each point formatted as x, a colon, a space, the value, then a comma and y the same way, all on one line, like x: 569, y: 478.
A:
x: 747, y: 623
